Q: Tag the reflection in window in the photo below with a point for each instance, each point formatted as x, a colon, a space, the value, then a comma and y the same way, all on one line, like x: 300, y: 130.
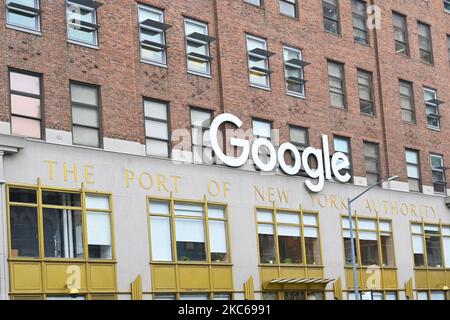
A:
x: 197, y: 47
x: 431, y: 245
x: 24, y: 231
x: 82, y: 21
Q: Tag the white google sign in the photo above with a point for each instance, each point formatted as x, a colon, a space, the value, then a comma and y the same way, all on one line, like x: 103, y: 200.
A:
x: 323, y: 171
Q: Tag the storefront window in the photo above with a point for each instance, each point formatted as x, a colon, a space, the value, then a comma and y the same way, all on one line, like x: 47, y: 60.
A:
x: 281, y: 240
x: 371, y: 237
x: 189, y: 232
x: 61, y: 216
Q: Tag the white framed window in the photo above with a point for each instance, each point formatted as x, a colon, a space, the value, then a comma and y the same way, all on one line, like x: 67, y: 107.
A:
x: 258, y: 3
x: 198, y: 47
x: 152, y: 35
x: 23, y: 14
x: 98, y: 220
x: 258, y: 62
x: 293, y: 70
x: 288, y: 8
x: 447, y: 6
x: 342, y: 144
x: 336, y: 82
x: 82, y: 27
x: 157, y: 133
x: 407, y: 102
x: 432, y: 108
x: 438, y: 173
x: 400, y: 34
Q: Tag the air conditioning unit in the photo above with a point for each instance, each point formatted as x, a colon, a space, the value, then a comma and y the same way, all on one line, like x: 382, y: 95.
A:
x: 447, y: 202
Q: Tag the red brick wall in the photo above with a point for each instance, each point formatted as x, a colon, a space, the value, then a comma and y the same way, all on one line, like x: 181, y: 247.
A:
x: 124, y: 80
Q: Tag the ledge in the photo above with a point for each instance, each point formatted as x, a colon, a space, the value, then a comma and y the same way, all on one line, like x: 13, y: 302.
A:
x: 11, y: 144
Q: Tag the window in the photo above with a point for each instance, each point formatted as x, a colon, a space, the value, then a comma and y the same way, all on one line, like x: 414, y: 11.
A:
x: 365, y: 92
x: 407, y: 102
x: 188, y: 238
x: 372, y: 159
x: 438, y: 173
x: 157, y: 132
x: 400, y: 34
x: 413, y: 170
x: 425, y: 45
x: 197, y: 47
x: 201, y: 146
x: 374, y: 295
x: 262, y: 129
x: 373, y: 238
x: 288, y: 8
x: 331, y: 16
x: 447, y: 6
x: 294, y: 231
x: 299, y: 137
x: 26, y: 101
x: 429, y: 243
x: 432, y: 108
x: 23, y: 14
x: 336, y: 83
x: 98, y: 220
x: 359, y: 15
x: 152, y: 35
x: 258, y: 62
x: 85, y: 114
x: 82, y: 21
x: 61, y: 215
x: 258, y: 3
x: 342, y: 144
x: 293, y: 70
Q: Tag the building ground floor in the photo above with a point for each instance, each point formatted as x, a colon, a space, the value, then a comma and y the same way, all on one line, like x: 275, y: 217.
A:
x: 91, y: 224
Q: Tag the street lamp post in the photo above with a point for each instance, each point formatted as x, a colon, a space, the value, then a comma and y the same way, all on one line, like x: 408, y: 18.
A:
x: 352, y: 234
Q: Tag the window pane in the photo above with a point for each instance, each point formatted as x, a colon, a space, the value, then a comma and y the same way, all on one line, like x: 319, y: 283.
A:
x: 157, y: 207
x: 369, y: 248
x: 26, y: 127
x: 63, y: 233
x: 310, y: 219
x: 447, y: 251
x: 22, y: 195
x: 216, y: 212
x: 25, y: 83
x: 266, y: 243
x: 157, y: 148
x: 192, y: 210
x: 161, y: 238
x: 99, y: 235
x: 85, y: 136
x: 200, y: 118
x: 387, y: 249
x: 85, y: 116
x: 190, y: 237
x: 287, y: 217
x: 265, y: 216
x: 262, y: 129
x: 24, y: 232
x: 289, y: 244
x: 312, y: 246
x: 97, y: 202
x: 84, y: 94
x: 433, y: 246
x: 155, y: 110
x: 218, y: 241
x: 25, y: 106
x: 288, y: 8
x: 418, y: 250
x: 61, y: 199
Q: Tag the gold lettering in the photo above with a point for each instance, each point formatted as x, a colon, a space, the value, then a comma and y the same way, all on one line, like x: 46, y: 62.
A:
x: 404, y: 209
x: 74, y: 172
x: 271, y: 194
x: 176, y: 183
x: 394, y: 208
x: 149, y: 180
x: 413, y: 210
x: 322, y: 198
x: 213, y: 184
x: 282, y: 196
x: 88, y: 174
x: 129, y: 176
x: 258, y: 193
x: 50, y: 168
x: 226, y: 189
x: 161, y: 179
x: 333, y: 203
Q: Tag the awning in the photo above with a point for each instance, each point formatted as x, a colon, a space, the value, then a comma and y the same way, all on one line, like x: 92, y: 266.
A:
x: 297, y: 283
